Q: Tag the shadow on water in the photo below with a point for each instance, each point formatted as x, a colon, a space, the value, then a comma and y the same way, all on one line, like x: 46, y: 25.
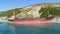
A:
x: 22, y: 29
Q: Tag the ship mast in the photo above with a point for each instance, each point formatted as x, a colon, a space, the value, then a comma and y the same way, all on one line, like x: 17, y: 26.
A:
x: 15, y: 14
x: 48, y: 12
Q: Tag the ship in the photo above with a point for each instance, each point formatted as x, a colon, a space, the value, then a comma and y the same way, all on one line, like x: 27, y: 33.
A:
x: 32, y: 21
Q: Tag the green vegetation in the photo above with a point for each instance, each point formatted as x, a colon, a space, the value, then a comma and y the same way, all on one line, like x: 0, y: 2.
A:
x: 8, y: 13
x: 55, y: 11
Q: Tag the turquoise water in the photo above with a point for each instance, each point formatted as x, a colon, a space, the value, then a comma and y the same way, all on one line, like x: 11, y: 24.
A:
x: 5, y: 28
x: 54, y: 29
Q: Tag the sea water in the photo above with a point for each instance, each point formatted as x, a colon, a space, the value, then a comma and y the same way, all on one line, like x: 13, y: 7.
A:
x: 53, y: 29
x: 5, y: 28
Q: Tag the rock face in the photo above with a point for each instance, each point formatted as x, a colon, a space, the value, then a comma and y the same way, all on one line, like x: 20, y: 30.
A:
x: 30, y: 12
x: 33, y: 11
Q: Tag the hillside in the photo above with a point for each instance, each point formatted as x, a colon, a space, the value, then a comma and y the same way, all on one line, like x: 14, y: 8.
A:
x: 27, y: 11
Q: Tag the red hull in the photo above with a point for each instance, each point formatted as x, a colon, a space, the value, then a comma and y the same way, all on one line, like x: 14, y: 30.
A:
x: 32, y: 22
